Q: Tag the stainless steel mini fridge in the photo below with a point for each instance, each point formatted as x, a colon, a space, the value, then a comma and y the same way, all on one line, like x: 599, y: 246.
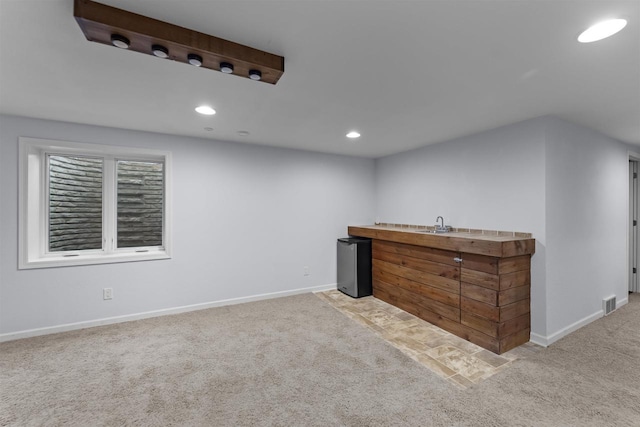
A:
x: 354, y: 266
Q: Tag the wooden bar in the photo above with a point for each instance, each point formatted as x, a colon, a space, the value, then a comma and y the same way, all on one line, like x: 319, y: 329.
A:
x: 475, y: 286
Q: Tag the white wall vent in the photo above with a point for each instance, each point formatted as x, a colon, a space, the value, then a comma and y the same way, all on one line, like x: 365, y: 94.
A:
x: 609, y: 304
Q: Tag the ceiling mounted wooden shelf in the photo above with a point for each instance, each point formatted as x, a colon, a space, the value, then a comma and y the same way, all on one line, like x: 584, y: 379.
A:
x: 100, y: 22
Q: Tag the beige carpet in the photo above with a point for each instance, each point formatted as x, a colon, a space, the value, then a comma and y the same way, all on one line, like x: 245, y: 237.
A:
x: 296, y: 361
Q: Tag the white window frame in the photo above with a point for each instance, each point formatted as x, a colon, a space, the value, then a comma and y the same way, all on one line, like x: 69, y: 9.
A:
x: 32, y: 193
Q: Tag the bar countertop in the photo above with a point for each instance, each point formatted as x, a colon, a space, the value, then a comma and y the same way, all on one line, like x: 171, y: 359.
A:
x: 490, y: 243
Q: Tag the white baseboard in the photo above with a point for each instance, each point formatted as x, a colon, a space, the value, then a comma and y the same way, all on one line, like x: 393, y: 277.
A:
x: 324, y: 288
x: 622, y: 302
x: 546, y: 341
x: 538, y: 339
x: 156, y: 313
x: 550, y: 339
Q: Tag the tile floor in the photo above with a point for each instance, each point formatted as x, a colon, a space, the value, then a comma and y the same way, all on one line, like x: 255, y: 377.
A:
x: 458, y: 361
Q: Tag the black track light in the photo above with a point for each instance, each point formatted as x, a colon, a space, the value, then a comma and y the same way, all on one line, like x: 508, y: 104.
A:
x: 255, y: 74
x: 120, y: 41
x: 160, y: 51
x: 226, y: 67
x: 195, y: 60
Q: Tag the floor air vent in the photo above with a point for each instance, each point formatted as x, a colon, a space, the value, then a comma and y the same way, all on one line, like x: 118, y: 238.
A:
x: 609, y: 304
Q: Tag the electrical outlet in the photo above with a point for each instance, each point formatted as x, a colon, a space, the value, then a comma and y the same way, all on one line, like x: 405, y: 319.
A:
x: 306, y: 271
x: 107, y: 293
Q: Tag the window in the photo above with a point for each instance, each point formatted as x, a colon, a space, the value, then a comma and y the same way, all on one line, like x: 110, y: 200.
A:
x: 74, y: 203
x: 140, y: 206
x: 92, y: 204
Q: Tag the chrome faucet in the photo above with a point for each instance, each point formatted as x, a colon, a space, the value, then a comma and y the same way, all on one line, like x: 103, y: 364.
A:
x: 441, y: 228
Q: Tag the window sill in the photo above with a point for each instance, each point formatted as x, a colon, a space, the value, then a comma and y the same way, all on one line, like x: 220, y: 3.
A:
x: 92, y: 259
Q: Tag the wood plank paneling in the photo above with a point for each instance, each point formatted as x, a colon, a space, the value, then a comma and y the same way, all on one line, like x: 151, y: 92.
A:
x: 494, y: 329
x: 478, y: 323
x: 484, y: 341
x: 419, y: 301
x: 480, y: 278
x: 514, y: 294
x: 514, y: 310
x: 514, y: 325
x: 513, y: 280
x: 514, y: 340
x: 430, y: 267
x: 449, y: 298
x: 518, y: 247
x: 381, y: 293
x: 449, y: 285
x: 480, y: 263
x: 479, y: 293
x: 510, y: 265
x: 482, y: 309
x: 429, y: 254
x: 476, y: 337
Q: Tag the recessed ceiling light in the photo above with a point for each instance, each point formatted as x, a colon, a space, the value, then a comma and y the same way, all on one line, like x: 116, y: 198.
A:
x: 195, y: 60
x: 602, y: 30
x: 255, y: 74
x: 206, y: 110
x: 353, y: 134
x: 120, y: 41
x: 160, y: 51
x: 243, y: 132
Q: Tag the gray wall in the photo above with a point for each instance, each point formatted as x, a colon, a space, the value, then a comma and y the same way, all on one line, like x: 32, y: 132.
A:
x: 266, y: 213
x: 258, y: 218
x: 492, y: 180
x: 564, y: 183
x: 587, y: 193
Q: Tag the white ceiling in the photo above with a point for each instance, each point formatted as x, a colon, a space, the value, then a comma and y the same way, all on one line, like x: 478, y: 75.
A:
x: 403, y: 73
